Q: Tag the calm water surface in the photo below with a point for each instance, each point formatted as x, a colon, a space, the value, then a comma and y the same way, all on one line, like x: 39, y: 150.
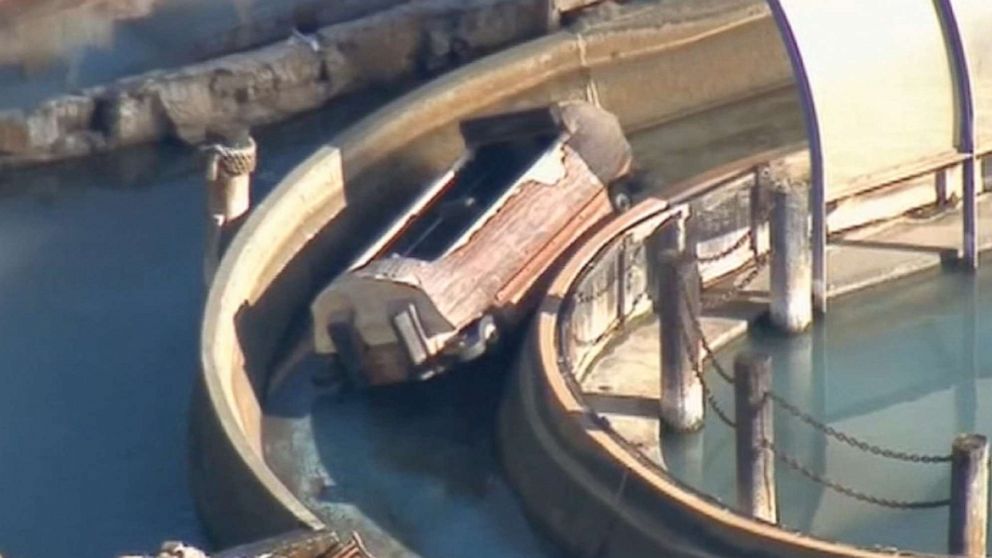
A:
x: 415, y: 467
x: 101, y: 296
x: 905, y: 365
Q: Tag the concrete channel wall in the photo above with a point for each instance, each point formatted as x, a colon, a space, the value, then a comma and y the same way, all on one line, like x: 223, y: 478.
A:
x: 305, y: 231
x: 579, y: 478
x: 555, y: 447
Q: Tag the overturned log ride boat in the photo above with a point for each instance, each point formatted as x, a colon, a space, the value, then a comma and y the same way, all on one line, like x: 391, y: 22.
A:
x: 461, y: 262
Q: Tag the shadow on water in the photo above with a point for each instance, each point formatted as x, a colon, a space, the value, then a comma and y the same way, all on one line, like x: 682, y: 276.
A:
x: 418, y: 461
x: 903, y: 366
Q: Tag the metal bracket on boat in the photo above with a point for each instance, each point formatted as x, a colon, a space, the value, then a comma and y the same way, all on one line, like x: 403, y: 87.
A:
x: 477, y: 340
x: 342, y: 332
x: 410, y: 331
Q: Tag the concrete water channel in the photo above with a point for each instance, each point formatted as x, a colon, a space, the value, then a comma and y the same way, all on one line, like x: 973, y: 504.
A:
x: 416, y: 466
x: 415, y: 469
x: 102, y: 299
x: 901, y: 365
x: 101, y: 322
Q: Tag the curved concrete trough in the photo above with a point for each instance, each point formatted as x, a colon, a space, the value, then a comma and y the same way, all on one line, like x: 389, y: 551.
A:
x: 305, y: 231
x: 591, y: 486
x: 594, y: 483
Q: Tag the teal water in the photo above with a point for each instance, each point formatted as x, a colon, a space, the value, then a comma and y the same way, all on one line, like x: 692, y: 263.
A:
x: 414, y: 468
x: 905, y: 365
x: 418, y: 463
x: 101, y: 295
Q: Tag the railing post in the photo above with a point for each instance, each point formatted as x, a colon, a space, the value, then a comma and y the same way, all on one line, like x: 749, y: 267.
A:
x: 969, y: 496
x: 753, y: 417
x: 759, y: 202
x: 791, y: 274
x: 229, y: 168
x: 676, y: 300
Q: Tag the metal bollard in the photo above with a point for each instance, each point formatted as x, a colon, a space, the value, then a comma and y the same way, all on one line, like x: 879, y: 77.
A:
x: 969, y: 496
x: 791, y: 266
x: 229, y: 168
x: 676, y: 299
x: 753, y: 417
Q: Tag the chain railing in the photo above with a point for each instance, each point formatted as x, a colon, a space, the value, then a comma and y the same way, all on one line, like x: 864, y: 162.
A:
x: 809, y: 419
x: 744, y: 239
x: 796, y: 465
x: 754, y: 269
x: 618, y: 284
x: 789, y: 460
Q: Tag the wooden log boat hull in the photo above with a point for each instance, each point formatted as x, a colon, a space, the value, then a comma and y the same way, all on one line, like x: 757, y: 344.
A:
x: 461, y: 263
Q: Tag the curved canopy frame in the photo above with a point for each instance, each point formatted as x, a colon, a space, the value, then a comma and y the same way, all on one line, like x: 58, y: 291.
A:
x: 889, y: 90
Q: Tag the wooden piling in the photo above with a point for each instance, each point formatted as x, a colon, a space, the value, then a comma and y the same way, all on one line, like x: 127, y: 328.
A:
x: 791, y: 272
x: 229, y: 168
x: 969, y: 496
x: 753, y: 417
x: 677, y: 303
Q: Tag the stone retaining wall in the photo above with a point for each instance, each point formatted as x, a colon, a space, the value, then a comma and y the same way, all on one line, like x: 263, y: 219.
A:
x: 401, y: 43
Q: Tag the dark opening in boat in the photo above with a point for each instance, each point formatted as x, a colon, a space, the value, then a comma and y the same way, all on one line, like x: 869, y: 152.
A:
x: 493, y: 169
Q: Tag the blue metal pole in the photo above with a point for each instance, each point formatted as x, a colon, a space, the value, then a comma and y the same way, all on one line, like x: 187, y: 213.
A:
x: 966, y: 142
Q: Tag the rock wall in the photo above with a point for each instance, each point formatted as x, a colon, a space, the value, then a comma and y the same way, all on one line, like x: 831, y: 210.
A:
x: 401, y: 43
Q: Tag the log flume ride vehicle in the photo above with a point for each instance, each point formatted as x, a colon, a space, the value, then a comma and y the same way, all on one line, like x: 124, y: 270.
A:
x: 464, y: 260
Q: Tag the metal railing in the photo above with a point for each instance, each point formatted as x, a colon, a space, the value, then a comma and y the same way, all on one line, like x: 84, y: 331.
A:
x: 616, y: 288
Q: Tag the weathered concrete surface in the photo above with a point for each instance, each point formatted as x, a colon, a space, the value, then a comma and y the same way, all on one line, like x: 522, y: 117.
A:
x: 48, y: 47
x: 293, y: 242
x: 270, y: 83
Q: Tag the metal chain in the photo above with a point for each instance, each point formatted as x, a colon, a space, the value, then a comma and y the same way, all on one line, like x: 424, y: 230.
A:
x: 703, y: 341
x: 742, y: 241
x: 816, y: 424
x: 741, y: 283
x: 727, y: 252
x: 797, y: 466
x: 707, y: 392
x: 845, y: 438
x: 582, y: 298
x: 616, y: 325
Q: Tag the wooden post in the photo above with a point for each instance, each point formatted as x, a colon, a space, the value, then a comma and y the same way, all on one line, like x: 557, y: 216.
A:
x: 229, y: 168
x: 969, y: 496
x: 791, y: 274
x: 753, y: 415
x: 677, y: 303
x: 759, y: 201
